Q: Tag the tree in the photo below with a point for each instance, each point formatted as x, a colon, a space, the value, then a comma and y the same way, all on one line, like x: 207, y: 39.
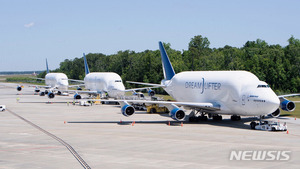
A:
x: 198, y: 46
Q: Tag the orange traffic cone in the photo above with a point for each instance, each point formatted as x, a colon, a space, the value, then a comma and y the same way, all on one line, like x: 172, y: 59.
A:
x: 133, y: 123
x: 169, y: 123
x: 295, y: 118
x: 64, y: 122
x: 181, y: 124
x: 287, y: 132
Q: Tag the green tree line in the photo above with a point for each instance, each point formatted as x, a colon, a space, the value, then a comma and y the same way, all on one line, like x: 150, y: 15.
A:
x: 278, y: 66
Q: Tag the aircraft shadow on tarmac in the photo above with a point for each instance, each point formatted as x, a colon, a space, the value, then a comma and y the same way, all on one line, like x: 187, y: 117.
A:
x: 223, y: 123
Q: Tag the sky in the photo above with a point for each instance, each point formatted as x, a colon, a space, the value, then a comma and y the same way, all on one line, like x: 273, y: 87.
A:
x: 33, y: 30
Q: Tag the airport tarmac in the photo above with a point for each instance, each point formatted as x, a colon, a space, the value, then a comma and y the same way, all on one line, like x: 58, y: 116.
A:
x: 40, y: 135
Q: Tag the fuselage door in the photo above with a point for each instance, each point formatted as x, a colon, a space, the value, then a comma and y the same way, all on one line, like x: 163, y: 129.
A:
x: 243, y: 100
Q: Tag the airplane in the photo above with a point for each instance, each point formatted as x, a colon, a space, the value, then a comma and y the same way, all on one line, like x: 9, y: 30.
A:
x: 54, y: 82
x: 107, y: 84
x: 213, y: 93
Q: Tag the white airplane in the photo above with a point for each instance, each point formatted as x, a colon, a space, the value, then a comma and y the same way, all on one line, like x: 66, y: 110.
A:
x: 214, y: 93
x: 54, y: 81
x: 107, y: 84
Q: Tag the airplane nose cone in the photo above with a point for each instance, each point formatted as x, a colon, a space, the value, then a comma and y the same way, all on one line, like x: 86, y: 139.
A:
x: 272, y: 104
x: 63, y: 86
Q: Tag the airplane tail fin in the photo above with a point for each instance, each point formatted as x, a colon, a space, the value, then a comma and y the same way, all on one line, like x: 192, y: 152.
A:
x: 167, y: 66
x: 47, y: 66
x: 86, y: 67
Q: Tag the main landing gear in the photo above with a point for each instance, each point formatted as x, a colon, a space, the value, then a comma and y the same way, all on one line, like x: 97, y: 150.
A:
x: 197, y: 116
x: 200, y: 115
x: 217, y: 117
x: 235, y: 118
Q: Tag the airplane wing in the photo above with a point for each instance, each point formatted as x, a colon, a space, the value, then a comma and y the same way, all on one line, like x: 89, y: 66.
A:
x: 137, y: 89
x: 74, y: 80
x: 187, y: 105
x: 170, y: 105
x: 147, y: 84
x: 289, y: 95
x: 38, y: 78
x: 79, y: 85
x: 82, y: 91
x: 40, y: 86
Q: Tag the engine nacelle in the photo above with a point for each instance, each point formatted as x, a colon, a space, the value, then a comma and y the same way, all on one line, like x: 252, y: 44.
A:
x: 50, y: 95
x: 46, y: 91
x: 19, y: 88
x: 79, y: 88
x: 42, y: 93
x: 127, y: 110
x: 77, y: 96
x: 276, y: 113
x: 287, y: 105
x: 151, y: 93
x: 58, y: 92
x: 177, y: 114
x: 37, y: 90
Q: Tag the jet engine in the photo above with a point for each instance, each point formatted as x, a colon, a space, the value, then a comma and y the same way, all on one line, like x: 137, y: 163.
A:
x: 287, y: 105
x: 37, y: 90
x: 19, y: 88
x: 127, y: 110
x: 177, y: 114
x: 151, y: 92
x: 42, y: 93
x: 79, y: 88
x: 276, y: 113
x: 77, y: 96
x: 50, y: 95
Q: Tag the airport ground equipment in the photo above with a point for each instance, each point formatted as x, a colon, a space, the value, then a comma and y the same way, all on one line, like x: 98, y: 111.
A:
x: 156, y: 108
x: 269, y: 126
x: 2, y: 107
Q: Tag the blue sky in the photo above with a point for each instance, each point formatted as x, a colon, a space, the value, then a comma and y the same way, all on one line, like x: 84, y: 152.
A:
x: 34, y: 30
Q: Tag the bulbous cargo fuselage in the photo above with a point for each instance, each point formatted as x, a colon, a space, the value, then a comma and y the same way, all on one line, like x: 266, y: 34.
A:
x: 105, y: 82
x: 236, y: 92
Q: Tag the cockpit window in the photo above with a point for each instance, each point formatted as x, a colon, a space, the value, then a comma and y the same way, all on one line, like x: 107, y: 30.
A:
x: 263, y: 86
x: 118, y: 81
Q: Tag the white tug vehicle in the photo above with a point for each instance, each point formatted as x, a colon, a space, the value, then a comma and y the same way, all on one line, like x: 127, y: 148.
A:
x: 269, y: 126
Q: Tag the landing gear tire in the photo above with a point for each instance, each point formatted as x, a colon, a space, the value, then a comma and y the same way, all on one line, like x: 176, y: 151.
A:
x: 152, y: 110
x: 217, y: 118
x: 252, y: 125
x: 202, y: 118
x: 193, y: 119
x: 235, y: 118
